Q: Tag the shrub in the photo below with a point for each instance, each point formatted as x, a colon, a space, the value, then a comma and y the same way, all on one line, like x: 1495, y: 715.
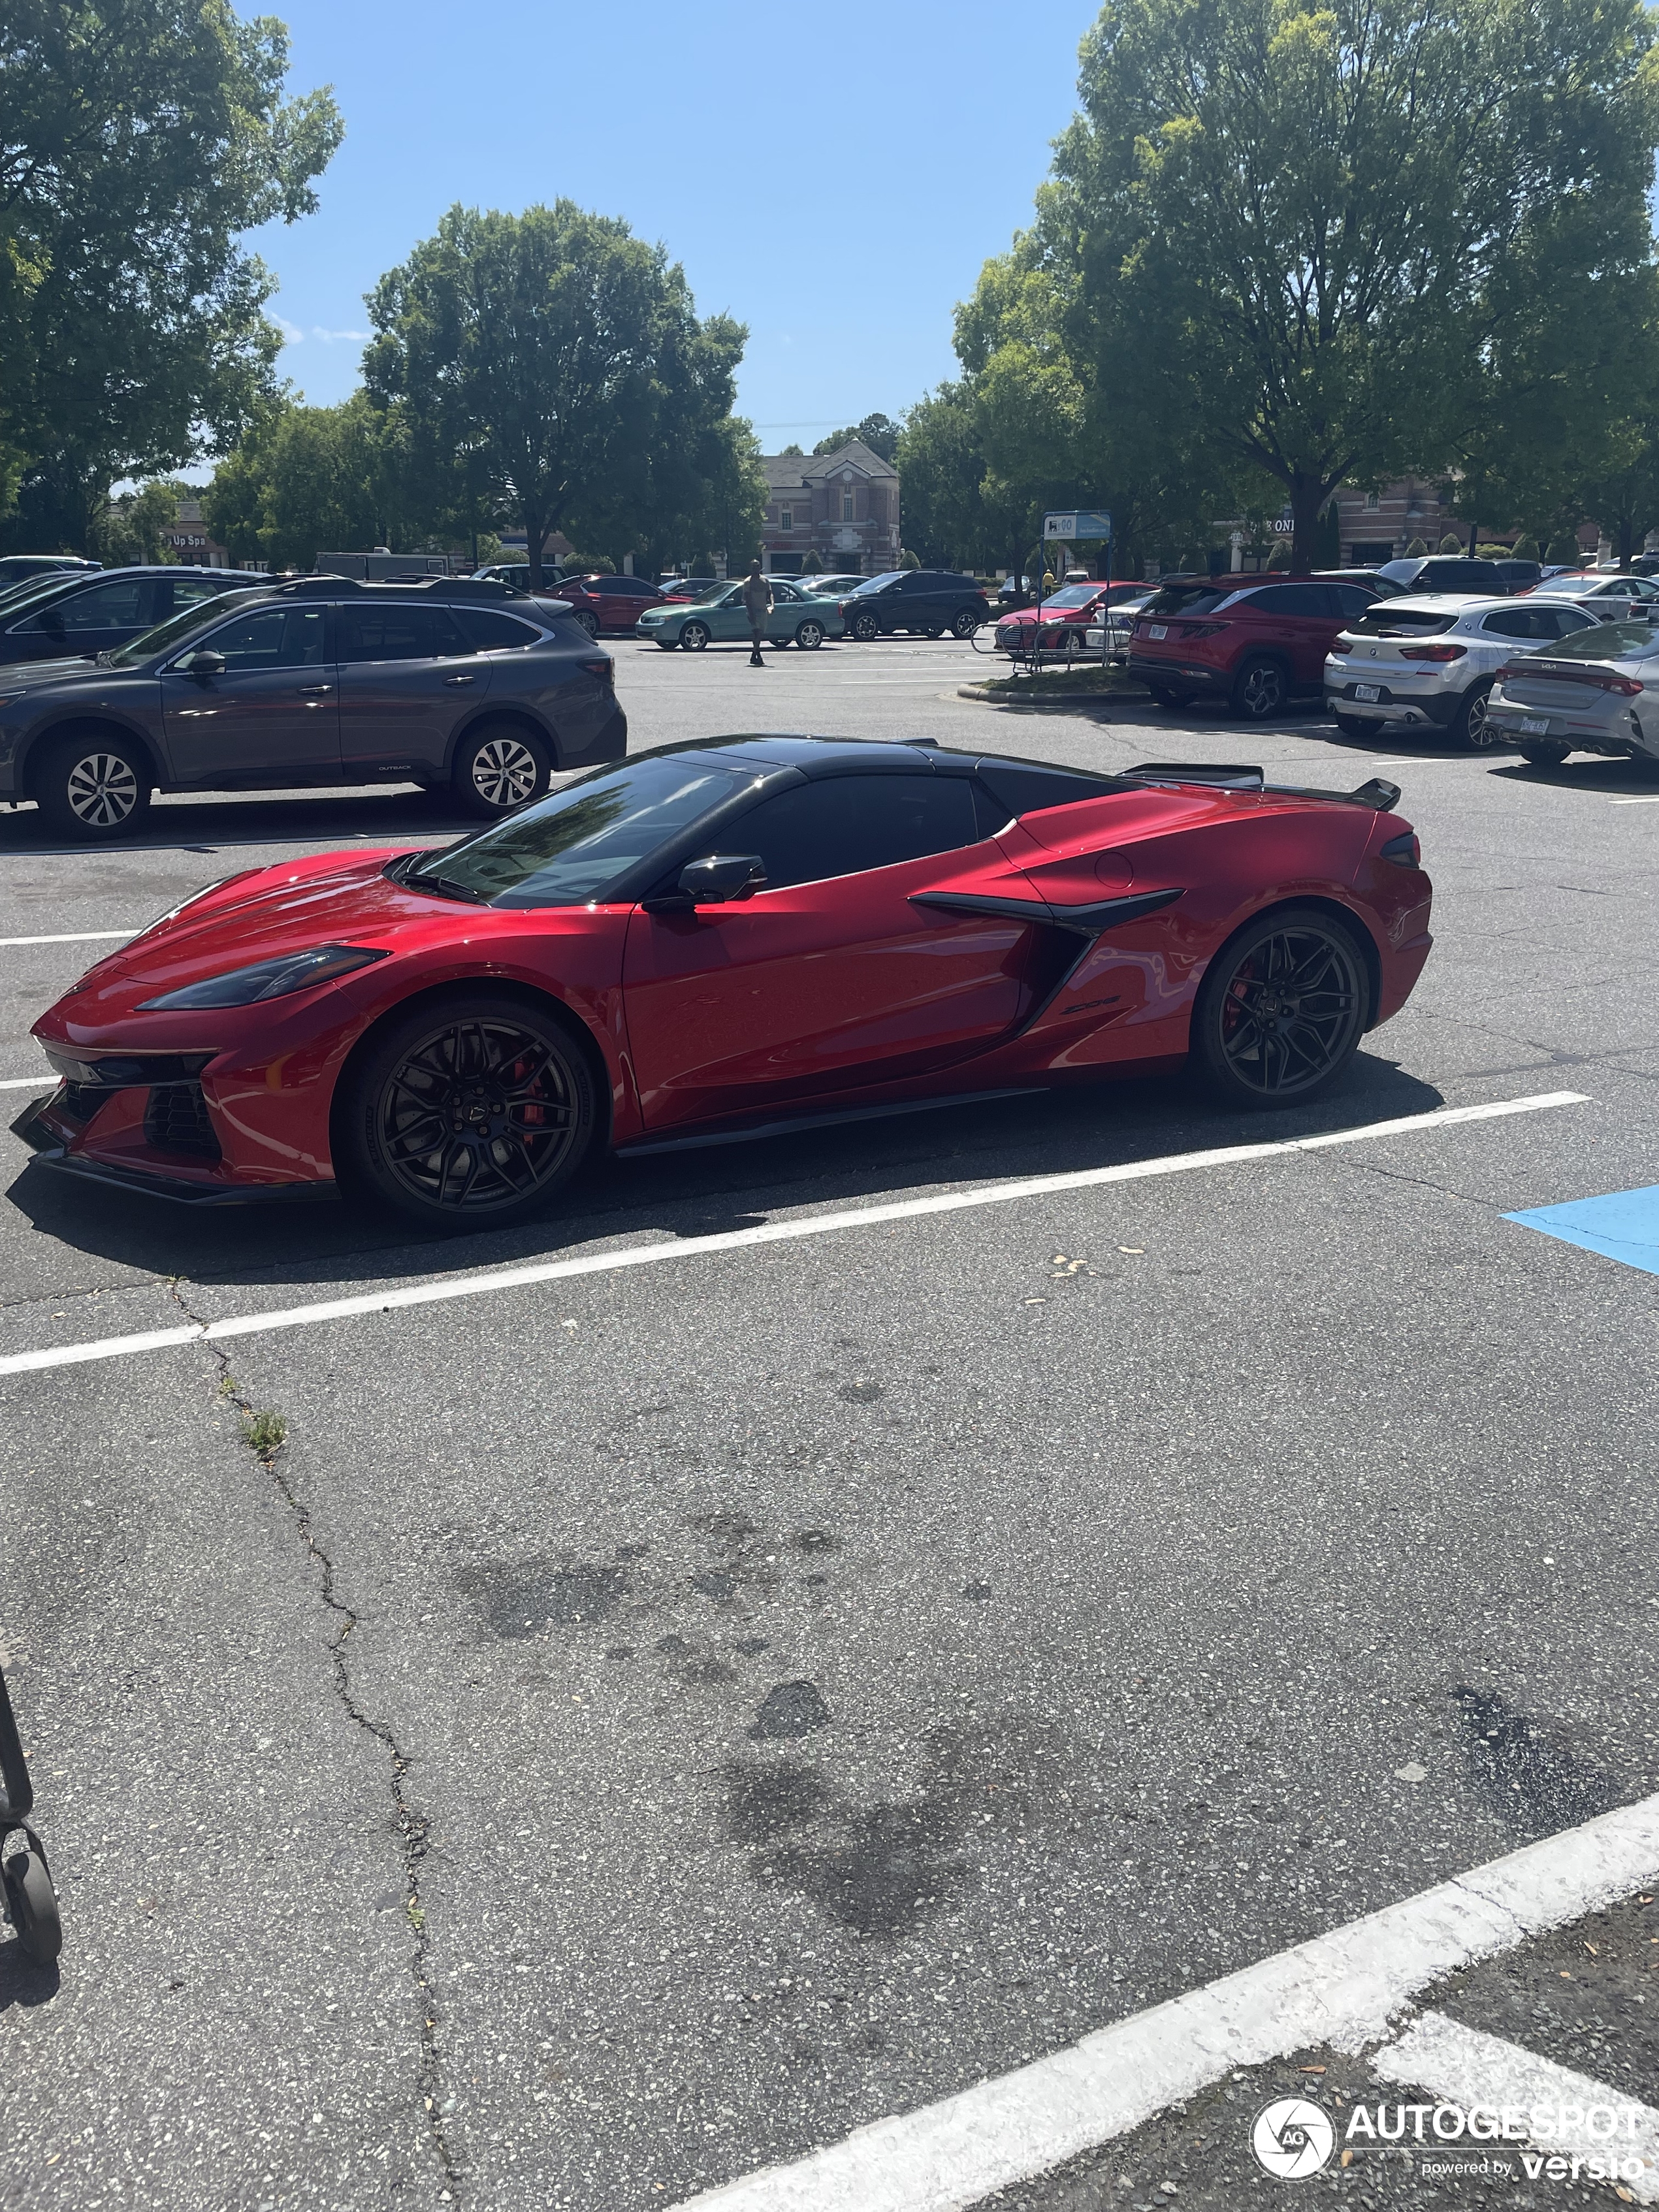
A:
x: 1525, y: 548
x: 1417, y: 550
x: 1451, y: 543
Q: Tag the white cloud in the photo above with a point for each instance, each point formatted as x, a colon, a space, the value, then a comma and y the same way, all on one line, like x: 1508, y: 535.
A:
x: 342, y: 337
x: 292, y: 334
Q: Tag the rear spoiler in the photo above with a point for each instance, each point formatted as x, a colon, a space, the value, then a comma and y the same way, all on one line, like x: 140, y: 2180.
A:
x: 1378, y: 794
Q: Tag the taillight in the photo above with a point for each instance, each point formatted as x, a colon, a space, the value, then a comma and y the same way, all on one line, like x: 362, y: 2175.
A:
x: 1344, y: 643
x: 1433, y: 651
x: 606, y: 670
x: 1626, y: 686
x: 1404, y: 851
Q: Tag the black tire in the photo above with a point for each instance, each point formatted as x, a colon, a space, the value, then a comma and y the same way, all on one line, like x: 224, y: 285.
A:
x: 1470, y: 724
x: 499, y: 766
x: 693, y: 636
x: 1354, y: 726
x: 589, y: 620
x: 933, y: 635
x: 93, y: 788
x: 967, y: 621
x: 1164, y: 696
x: 1543, y: 755
x: 1259, y: 689
x: 809, y: 636
x: 468, y: 1112
x: 1281, y: 1009
x: 864, y: 628
x: 32, y: 1903
x: 668, y: 645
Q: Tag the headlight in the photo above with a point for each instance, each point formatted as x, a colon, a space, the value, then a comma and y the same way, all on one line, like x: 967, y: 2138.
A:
x: 266, y: 979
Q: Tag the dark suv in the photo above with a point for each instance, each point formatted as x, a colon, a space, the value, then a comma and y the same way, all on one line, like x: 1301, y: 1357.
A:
x: 80, y: 615
x: 455, y: 684
x: 1252, y: 642
x: 923, y: 601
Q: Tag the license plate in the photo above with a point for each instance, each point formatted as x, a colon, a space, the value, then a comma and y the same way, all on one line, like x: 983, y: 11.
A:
x: 1367, y: 691
x: 1535, y: 725
x: 1157, y: 629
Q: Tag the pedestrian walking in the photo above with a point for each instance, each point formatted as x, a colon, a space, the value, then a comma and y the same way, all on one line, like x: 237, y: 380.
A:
x: 757, y: 599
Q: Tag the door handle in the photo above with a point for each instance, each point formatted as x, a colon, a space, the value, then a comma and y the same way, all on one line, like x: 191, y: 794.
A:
x: 314, y: 691
x: 460, y: 679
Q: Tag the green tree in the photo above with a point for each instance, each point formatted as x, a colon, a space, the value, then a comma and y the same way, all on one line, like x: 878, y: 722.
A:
x: 309, y: 480
x: 957, y: 515
x: 542, y: 359
x: 878, y: 432
x: 1311, y: 233
x: 132, y: 528
x: 138, y: 138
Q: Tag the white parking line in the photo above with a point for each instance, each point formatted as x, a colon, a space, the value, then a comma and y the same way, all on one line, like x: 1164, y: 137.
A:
x: 1340, y: 1989
x: 1650, y: 799
x: 77, y: 937
x: 1465, y: 2066
x: 772, y: 1232
x: 29, y: 1082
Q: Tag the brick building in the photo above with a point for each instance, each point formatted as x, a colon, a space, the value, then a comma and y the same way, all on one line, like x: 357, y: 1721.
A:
x: 843, y: 505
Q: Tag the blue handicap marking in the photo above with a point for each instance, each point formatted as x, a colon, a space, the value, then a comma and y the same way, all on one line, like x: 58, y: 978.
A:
x: 1623, y: 1225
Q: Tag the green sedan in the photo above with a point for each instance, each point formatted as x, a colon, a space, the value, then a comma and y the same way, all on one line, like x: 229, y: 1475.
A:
x: 720, y: 618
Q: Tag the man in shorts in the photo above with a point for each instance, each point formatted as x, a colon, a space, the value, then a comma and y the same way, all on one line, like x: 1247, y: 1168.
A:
x: 757, y: 603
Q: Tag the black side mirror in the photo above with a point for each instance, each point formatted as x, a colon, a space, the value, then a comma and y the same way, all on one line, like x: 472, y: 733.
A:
x: 722, y: 877
x: 204, y: 664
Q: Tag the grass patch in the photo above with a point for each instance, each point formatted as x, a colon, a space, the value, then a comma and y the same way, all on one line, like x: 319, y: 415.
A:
x: 1087, y: 676
x: 265, y: 1432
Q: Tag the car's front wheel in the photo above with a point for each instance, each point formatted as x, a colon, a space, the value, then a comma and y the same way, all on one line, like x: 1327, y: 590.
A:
x: 94, y: 788
x: 1260, y: 689
x: 966, y: 623
x: 1544, y: 756
x: 500, y: 765
x: 468, y: 1112
x: 693, y: 636
x: 810, y: 636
x: 1281, y: 1009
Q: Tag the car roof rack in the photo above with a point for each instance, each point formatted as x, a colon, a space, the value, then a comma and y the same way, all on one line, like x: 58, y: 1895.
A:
x: 462, y: 588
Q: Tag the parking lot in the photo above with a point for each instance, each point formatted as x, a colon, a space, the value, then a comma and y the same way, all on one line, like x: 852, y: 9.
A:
x: 653, y: 1716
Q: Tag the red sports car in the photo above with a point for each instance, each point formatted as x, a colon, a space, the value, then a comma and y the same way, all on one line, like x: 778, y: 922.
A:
x: 721, y: 934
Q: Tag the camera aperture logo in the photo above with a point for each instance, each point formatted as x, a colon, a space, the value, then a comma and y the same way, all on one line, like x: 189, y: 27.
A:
x: 1292, y: 2138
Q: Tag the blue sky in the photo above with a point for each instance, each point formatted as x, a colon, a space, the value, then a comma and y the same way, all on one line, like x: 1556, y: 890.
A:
x: 832, y: 175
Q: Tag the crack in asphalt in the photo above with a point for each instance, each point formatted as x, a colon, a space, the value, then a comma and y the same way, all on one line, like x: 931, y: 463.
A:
x: 412, y: 1827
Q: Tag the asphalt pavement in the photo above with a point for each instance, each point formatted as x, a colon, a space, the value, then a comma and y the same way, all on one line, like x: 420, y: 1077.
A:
x: 638, y: 1726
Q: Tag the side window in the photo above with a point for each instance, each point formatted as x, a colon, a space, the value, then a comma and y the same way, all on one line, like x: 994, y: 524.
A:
x: 125, y: 605
x: 193, y: 591
x: 1518, y: 622
x: 848, y: 824
x: 394, y: 633
x: 1563, y: 621
x: 490, y: 632
x: 277, y: 637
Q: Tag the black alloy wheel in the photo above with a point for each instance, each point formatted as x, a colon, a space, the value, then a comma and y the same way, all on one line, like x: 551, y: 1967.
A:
x: 1281, y: 1011
x: 498, y: 767
x: 469, y: 1114
x: 93, y: 788
x: 966, y: 623
x: 693, y: 636
x: 810, y: 636
x: 1260, y: 689
x: 864, y: 628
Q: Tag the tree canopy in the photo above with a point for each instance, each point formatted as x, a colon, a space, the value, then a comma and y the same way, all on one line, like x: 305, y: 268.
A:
x: 138, y: 138
x: 878, y: 432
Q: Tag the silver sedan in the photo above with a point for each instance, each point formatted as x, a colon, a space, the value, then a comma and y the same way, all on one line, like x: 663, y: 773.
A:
x: 1595, y: 692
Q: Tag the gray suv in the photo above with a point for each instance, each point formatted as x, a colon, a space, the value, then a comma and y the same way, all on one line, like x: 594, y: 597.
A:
x: 462, y: 685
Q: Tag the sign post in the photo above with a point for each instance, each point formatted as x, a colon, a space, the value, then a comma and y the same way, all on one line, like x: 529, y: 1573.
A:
x: 1066, y: 528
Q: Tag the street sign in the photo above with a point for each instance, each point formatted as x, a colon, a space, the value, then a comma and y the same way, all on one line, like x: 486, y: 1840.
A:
x: 1081, y: 522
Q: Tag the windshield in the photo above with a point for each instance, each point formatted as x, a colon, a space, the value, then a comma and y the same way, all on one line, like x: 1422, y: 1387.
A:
x: 1074, y: 595
x: 565, y: 850
x: 877, y: 583
x: 1623, y: 640
x: 168, y: 634
x: 1188, y: 598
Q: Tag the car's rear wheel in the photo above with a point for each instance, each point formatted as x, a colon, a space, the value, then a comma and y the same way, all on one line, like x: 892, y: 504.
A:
x: 1165, y: 697
x: 1260, y: 689
x: 92, y: 787
x: 589, y: 620
x: 966, y: 623
x: 810, y: 636
x: 1470, y: 725
x: 693, y: 636
x: 1544, y: 756
x: 1281, y: 1009
x: 469, y: 1114
x: 1353, y: 725
x: 500, y: 765
x: 863, y: 628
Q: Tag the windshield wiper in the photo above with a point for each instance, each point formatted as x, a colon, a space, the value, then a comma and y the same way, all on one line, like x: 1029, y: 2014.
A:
x: 445, y: 887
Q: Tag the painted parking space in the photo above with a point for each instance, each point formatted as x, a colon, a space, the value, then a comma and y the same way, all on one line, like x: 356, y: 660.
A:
x: 1623, y: 1225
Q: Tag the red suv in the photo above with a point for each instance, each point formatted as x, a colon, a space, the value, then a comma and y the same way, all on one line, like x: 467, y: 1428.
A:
x: 1254, y: 642
x: 613, y: 603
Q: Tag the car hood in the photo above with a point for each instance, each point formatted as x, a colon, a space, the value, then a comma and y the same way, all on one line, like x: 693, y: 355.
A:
x: 35, y: 675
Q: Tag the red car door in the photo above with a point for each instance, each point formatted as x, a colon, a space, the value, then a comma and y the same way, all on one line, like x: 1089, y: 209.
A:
x: 1304, y: 618
x: 830, y: 977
